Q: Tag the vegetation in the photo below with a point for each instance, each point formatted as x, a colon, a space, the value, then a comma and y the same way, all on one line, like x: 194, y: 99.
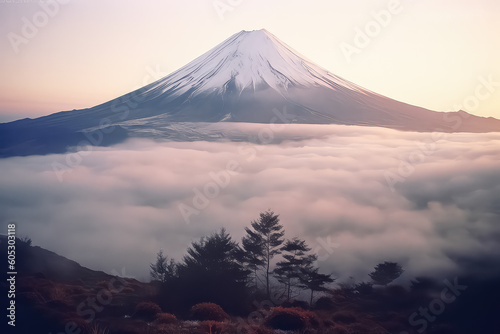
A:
x: 165, y: 318
x: 147, y: 310
x: 386, y: 272
x: 163, y: 269
x: 314, y: 281
x: 288, y: 319
x: 212, y: 290
x: 295, y: 261
x: 208, y: 311
x: 262, y: 243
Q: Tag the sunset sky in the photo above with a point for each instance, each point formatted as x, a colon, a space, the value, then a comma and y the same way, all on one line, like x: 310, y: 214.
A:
x: 431, y: 53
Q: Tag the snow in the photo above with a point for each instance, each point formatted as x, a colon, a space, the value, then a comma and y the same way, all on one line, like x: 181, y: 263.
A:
x: 250, y: 59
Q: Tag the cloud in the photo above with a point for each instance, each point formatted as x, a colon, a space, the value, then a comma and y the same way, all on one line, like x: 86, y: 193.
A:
x: 438, y: 212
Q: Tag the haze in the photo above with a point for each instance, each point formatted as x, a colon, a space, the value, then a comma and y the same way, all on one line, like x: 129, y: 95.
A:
x: 358, y: 195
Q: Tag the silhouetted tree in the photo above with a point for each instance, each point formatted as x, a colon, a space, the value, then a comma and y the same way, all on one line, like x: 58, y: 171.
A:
x: 211, y: 272
x: 252, y: 253
x: 264, y: 243
x: 311, y: 279
x: 295, y: 260
x: 163, y: 269
x: 25, y: 240
x: 386, y: 272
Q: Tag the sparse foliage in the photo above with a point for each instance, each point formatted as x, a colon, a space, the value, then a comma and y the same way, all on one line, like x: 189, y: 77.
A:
x: 311, y: 279
x: 262, y: 243
x: 295, y: 260
x: 252, y: 253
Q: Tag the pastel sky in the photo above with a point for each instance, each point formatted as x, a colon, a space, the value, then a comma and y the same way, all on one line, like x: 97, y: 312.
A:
x: 431, y: 53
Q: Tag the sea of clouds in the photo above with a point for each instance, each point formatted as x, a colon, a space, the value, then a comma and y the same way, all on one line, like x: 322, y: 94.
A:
x: 358, y: 195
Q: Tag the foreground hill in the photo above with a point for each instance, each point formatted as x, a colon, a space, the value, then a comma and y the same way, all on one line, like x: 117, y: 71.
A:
x: 57, y: 295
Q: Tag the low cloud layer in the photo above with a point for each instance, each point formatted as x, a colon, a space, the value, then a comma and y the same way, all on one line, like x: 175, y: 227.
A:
x: 357, y: 195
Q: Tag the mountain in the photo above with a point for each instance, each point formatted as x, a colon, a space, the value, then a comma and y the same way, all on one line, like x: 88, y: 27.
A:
x: 35, y: 260
x: 53, y: 293
x: 243, y: 79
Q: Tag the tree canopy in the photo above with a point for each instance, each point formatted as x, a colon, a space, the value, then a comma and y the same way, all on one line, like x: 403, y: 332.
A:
x: 386, y: 272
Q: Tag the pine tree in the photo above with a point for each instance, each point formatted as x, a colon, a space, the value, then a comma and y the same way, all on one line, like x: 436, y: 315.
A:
x: 252, y: 253
x: 163, y: 269
x: 211, y: 272
x: 311, y: 279
x: 295, y: 260
x: 262, y: 243
x: 386, y: 272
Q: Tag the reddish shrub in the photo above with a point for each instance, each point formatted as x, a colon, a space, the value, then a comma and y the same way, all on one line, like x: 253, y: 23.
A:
x: 287, y: 319
x: 147, y: 310
x: 165, y: 318
x: 313, y: 319
x: 208, y: 311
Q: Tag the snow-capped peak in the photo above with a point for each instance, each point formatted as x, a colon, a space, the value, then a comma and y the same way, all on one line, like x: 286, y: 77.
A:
x: 248, y: 59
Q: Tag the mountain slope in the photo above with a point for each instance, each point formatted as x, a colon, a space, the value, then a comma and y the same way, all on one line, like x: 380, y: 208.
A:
x: 243, y: 79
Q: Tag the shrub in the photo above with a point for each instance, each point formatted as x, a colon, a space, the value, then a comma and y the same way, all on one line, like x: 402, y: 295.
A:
x: 313, y: 319
x: 287, y: 319
x: 147, y: 310
x: 344, y: 317
x: 208, y: 311
x: 324, y: 303
x: 165, y: 318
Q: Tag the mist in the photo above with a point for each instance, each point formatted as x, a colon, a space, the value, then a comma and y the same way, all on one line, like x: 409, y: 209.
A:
x: 357, y: 195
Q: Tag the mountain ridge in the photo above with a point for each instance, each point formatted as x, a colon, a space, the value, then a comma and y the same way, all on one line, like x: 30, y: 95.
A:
x: 243, y: 79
